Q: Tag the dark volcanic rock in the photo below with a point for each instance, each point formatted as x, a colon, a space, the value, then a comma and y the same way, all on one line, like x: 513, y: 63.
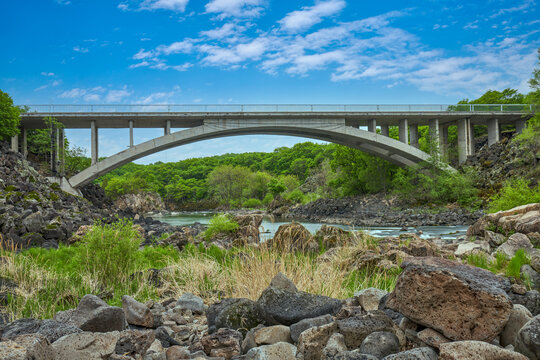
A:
x: 52, y: 330
x: 287, y: 307
x: 238, y: 314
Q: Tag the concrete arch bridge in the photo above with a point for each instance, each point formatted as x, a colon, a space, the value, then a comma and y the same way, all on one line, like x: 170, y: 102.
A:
x: 341, y: 124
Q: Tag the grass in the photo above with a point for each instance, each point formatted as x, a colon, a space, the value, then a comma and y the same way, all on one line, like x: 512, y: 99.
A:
x: 515, y: 192
x: 221, y: 223
x: 107, y: 263
x: 501, y: 264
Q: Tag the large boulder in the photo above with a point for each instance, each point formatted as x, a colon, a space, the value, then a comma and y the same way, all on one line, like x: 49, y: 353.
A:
x: 239, y: 314
x: 93, y: 314
x: 293, y: 237
x: 476, y: 350
x: 518, y: 317
x: 191, y: 302
x: 52, y: 330
x: 528, y: 338
x: 289, y: 307
x: 86, y: 346
x: 26, y: 347
x: 514, y: 243
x: 436, y: 292
x: 137, y: 313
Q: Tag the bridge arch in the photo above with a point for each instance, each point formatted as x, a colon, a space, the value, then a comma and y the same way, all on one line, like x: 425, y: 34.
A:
x: 331, y: 130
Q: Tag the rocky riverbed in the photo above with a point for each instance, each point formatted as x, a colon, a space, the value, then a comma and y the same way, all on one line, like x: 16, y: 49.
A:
x: 374, y: 210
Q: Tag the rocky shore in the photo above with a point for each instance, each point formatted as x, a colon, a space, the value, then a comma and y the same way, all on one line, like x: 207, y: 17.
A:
x: 374, y: 210
x: 423, y: 318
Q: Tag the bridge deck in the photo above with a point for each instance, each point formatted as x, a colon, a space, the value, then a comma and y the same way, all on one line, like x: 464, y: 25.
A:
x: 158, y: 119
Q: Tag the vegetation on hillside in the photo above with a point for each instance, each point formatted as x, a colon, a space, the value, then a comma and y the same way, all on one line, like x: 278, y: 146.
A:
x: 9, y: 117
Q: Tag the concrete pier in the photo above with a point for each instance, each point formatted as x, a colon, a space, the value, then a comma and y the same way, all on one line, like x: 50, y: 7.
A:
x: 94, y: 142
x: 493, y: 131
x: 413, y: 133
x: 403, y: 131
x: 372, y: 125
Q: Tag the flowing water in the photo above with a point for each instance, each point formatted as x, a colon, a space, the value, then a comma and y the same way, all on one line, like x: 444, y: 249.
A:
x: 268, y: 228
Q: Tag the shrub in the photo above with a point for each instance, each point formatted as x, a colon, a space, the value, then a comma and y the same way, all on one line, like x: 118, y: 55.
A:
x: 479, y: 260
x: 221, y: 223
x: 252, y: 203
x: 296, y: 196
x: 268, y: 199
x: 515, y: 192
x: 110, y: 251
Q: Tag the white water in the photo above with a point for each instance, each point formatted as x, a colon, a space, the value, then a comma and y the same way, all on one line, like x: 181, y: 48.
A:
x: 268, y: 228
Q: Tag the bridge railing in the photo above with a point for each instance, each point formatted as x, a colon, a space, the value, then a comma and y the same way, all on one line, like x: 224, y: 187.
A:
x: 250, y: 108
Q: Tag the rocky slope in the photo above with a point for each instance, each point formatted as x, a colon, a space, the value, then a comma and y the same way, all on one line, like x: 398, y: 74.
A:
x: 431, y: 296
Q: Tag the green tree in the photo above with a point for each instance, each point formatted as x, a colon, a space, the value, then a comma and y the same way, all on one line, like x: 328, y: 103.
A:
x: 227, y: 182
x: 9, y: 117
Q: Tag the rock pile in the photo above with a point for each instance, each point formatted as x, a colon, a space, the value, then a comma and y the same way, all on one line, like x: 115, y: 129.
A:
x: 447, y: 311
x: 506, y: 232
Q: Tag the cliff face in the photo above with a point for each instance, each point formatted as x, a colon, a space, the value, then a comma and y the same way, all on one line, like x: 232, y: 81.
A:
x: 502, y: 161
x: 35, y: 212
x: 140, y: 203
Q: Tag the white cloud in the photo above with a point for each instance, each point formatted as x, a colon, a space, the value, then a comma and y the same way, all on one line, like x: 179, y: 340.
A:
x: 235, y: 8
x: 44, y: 73
x: 56, y: 82
x: 184, y: 46
x: 142, y: 54
x: 301, y: 20
x: 524, y: 7
x: 73, y: 93
x: 80, y: 49
x: 228, y: 31
x: 42, y: 87
x: 174, y: 5
x: 117, y: 95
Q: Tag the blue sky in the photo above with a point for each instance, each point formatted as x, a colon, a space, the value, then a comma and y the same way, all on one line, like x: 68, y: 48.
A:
x: 260, y: 51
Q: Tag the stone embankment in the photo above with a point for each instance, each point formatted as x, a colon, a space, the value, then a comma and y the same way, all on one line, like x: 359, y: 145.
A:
x: 446, y: 311
x: 374, y: 210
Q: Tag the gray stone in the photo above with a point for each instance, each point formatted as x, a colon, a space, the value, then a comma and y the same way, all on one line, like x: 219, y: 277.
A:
x: 476, y: 350
x: 380, y: 344
x: 312, y: 341
x: 238, y: 314
x: 369, y: 298
x: 133, y: 342
x: 224, y: 342
x: 282, y: 282
x: 93, y: 314
x: 527, y: 272
x: 421, y: 353
x: 191, y: 302
x: 137, y: 313
x: 285, y: 307
x: 85, y: 346
x: 302, y: 325
x: 528, y: 338
x: 334, y: 346
x: 494, y: 239
x: 52, y: 330
x: 514, y: 243
x: 356, y: 329
x: 531, y: 300
x: 33, y: 222
x: 518, y: 318
x: 272, y: 334
x: 535, y: 260
x: 277, y: 351
x: 466, y: 248
x: 27, y: 347
x: 432, y: 337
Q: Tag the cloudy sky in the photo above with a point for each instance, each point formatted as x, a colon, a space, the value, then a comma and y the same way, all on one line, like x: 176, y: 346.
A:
x: 260, y: 51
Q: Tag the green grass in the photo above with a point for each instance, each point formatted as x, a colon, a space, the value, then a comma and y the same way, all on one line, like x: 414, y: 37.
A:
x: 515, y: 193
x: 501, y: 264
x: 220, y: 224
x: 514, y: 265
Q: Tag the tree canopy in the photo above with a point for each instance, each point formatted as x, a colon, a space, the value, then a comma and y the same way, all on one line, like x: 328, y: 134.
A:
x: 9, y: 117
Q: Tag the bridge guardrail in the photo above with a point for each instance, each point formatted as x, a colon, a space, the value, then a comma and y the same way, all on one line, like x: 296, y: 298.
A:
x: 247, y: 108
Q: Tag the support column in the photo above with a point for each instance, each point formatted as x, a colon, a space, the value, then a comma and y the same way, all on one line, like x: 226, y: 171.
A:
x: 521, y: 124
x: 443, y: 142
x: 62, y: 154
x: 372, y: 125
x: 413, y: 133
x: 493, y: 131
x: 403, y: 131
x: 15, y: 143
x: 130, y: 133
x: 24, y: 143
x: 54, y: 150
x: 471, y: 138
x: 463, y: 139
x: 385, y: 130
x: 94, y: 142
x: 167, y: 130
x: 434, y: 134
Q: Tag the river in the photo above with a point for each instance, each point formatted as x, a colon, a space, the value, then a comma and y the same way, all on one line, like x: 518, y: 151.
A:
x: 268, y: 228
